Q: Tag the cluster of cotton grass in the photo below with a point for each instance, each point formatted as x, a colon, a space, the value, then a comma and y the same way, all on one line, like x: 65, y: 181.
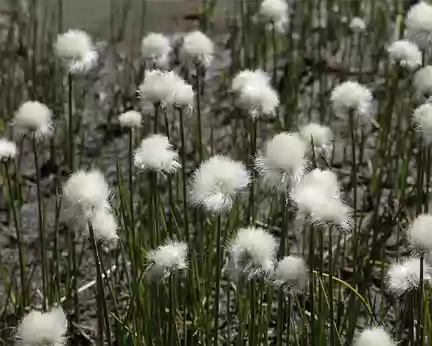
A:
x: 289, y: 163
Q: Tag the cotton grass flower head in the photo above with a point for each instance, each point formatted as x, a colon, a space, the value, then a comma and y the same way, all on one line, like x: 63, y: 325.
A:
x: 252, y: 253
x: 157, y: 86
x: 156, y: 153
x: 245, y: 77
x: 130, y: 119
x: 156, y: 47
x: 406, y: 54
x: 85, y: 193
x: 217, y: 182
x: 291, y: 274
x: 418, y: 22
x: 423, y: 81
x: 405, y: 276
x: 35, y: 118
x: 167, y: 259
x: 351, y: 96
x: 420, y: 233
x: 104, y: 225
x: 318, y: 135
x: 259, y: 99
x: 8, y: 150
x: 275, y: 12
x: 357, y: 25
x: 422, y: 118
x: 197, y: 48
x: 182, y: 94
x: 318, y: 201
x: 374, y: 336
x: 42, y: 328
x: 283, y: 160
x: 76, y: 49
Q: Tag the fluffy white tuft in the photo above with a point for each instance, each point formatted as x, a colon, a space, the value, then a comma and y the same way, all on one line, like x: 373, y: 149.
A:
x: 351, y: 95
x: 405, y: 276
x: 357, y: 24
x: 130, y: 119
x: 406, y: 53
x: 105, y: 225
x: 291, y: 274
x: 420, y: 233
x: 283, y: 160
x: 182, y: 94
x: 321, y: 136
x: 258, y: 98
x: 167, y: 259
x: 8, y: 150
x: 317, y: 198
x: 217, y: 182
x: 252, y: 252
x: 197, y: 48
x: 275, y: 11
x: 43, y: 328
x: 85, y: 193
x: 422, y: 118
x: 156, y: 153
x: 423, y: 80
x: 76, y: 48
x: 245, y: 77
x: 418, y: 22
x: 156, y: 47
x: 374, y: 336
x: 157, y: 86
x: 34, y: 117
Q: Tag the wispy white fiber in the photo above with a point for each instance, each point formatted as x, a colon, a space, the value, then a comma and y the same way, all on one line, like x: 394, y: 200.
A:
x: 245, y: 77
x: 422, y: 118
x: 155, y: 48
x: 405, y: 53
x: 357, y: 24
x: 197, y: 48
x: 318, y: 135
x: 374, y: 336
x: 275, y: 12
x: 258, y: 98
x: 291, y: 274
x: 130, y: 119
x: 418, y: 22
x: 35, y: 118
x: 405, y: 276
x: 217, y: 182
x: 420, y: 233
x: 167, y: 259
x: 8, y: 149
x: 423, y: 81
x: 351, y: 95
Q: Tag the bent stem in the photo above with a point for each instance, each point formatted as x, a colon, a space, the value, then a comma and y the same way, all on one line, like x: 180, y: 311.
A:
x: 40, y: 224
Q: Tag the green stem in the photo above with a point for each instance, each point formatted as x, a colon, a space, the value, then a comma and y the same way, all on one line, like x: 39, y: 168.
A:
x: 330, y: 281
x: 184, y: 176
x: 40, y: 223
x: 217, y: 281
x: 198, y: 109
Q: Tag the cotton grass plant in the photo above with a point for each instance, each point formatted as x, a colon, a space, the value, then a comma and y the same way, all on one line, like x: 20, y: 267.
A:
x: 281, y: 196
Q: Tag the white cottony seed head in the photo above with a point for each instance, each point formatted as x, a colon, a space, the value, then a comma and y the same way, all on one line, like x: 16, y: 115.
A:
x: 283, y: 160
x: 252, y: 252
x: 357, y: 24
x: 182, y: 94
x: 423, y: 81
x: 167, y: 259
x: 104, y: 225
x: 405, y: 276
x: 321, y: 136
x: 8, y: 149
x: 258, y: 98
x: 245, y: 77
x: 157, y: 86
x: 405, y: 53
x: 197, y: 48
x: 317, y: 198
x: 216, y: 183
x: 86, y: 193
x: 156, y: 47
x: 374, y: 336
x: 34, y: 117
x: 76, y: 48
x: 130, y: 119
x: 422, y: 118
x: 420, y: 233
x: 291, y: 274
x: 351, y: 95
x: 418, y: 23
x: 42, y: 328
x: 275, y: 11
x: 155, y: 153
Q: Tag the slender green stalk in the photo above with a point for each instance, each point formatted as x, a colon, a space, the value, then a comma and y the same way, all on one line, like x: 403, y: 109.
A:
x: 131, y: 202
x: 40, y: 224
x: 253, y: 146
x: 103, y: 321
x: 71, y: 145
x: 311, y: 285
x: 217, y: 281
x: 19, y: 239
x: 198, y: 110
x: 184, y: 175
x: 420, y: 317
x: 280, y: 319
x: 330, y: 282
